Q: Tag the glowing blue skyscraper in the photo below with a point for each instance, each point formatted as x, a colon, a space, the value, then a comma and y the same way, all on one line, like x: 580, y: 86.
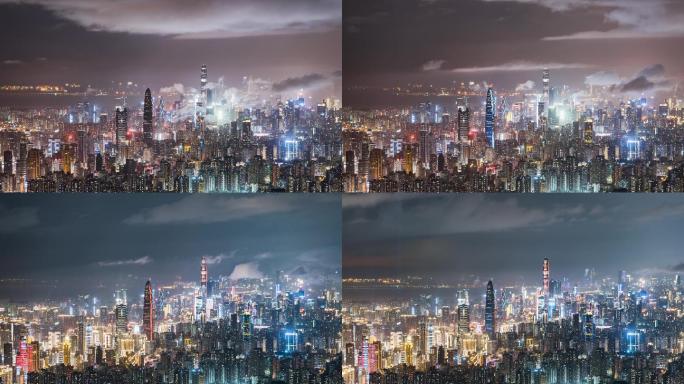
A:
x: 490, y: 113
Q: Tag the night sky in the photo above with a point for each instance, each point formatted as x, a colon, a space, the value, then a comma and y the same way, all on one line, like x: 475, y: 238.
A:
x: 77, y: 244
x: 509, y: 42
x: 506, y: 237
x: 161, y: 42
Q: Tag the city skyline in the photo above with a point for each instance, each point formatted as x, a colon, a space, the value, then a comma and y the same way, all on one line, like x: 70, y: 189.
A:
x: 511, y: 289
x: 121, y: 242
x: 546, y: 329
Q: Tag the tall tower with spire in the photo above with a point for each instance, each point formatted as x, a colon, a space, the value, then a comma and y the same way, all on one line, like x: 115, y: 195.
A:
x: 490, y: 117
x: 204, y: 274
x: 148, y: 312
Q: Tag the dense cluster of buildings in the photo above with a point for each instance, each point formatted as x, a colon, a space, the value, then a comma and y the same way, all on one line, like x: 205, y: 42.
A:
x: 626, y: 329
x: 221, y: 330
x: 192, y: 141
x: 549, y: 140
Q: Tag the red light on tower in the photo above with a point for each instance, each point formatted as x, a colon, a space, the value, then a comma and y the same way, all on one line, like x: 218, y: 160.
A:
x: 148, y: 312
x: 22, y: 357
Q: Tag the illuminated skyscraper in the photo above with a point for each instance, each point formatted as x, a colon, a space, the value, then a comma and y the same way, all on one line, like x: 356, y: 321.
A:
x: 23, y: 355
x: 66, y: 353
x: 203, y: 80
x: 375, y: 356
x: 541, y: 116
x: 204, y: 274
x: 546, y: 276
x: 490, y: 117
x: 7, y: 354
x: 201, y: 102
x: 121, y: 311
x: 424, y: 145
x: 423, y: 337
x: 68, y: 154
x: 246, y: 327
x: 376, y: 160
x: 588, y: 327
x: 147, y: 118
x: 34, y: 164
x: 21, y: 160
x: 490, y: 326
x: 463, y: 312
x: 589, y: 131
x: 7, y: 166
x: 463, y: 123
x: 34, y: 357
x: 350, y: 162
x: 148, y: 312
x: 82, y: 147
x: 121, y: 120
x: 409, y: 154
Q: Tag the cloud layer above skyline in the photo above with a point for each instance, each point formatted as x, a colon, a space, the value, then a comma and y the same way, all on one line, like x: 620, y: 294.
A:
x: 160, y: 42
x: 506, y: 42
x: 88, y: 244
x: 447, y: 237
x: 204, y: 19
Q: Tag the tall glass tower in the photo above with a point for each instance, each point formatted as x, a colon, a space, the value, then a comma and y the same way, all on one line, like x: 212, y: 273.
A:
x: 490, y: 327
x: 490, y: 113
x: 147, y: 118
x: 148, y: 312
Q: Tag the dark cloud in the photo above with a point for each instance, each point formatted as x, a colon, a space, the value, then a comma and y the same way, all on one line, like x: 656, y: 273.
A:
x: 518, y: 66
x: 299, y: 82
x: 449, y: 237
x: 626, y: 18
x: 390, y: 43
x: 208, y: 209
x: 638, y: 84
x: 647, y: 79
x: 82, y: 245
x: 654, y: 70
x: 198, y: 19
x: 64, y: 41
x: 475, y: 217
x: 18, y: 218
